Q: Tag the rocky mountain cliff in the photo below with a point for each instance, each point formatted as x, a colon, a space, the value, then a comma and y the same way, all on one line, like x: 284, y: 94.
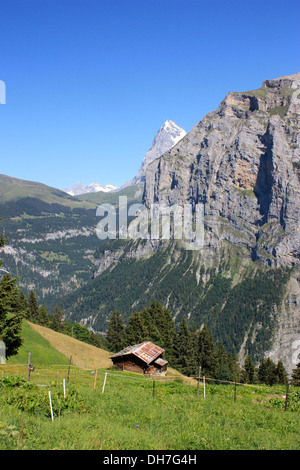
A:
x: 242, y: 162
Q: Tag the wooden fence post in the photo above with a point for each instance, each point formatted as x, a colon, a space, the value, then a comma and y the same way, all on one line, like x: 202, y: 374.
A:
x: 69, y: 370
x: 51, y: 410
x: 103, y: 388
x: 198, y: 382
x: 95, y: 380
x: 286, y: 396
x: 29, y: 366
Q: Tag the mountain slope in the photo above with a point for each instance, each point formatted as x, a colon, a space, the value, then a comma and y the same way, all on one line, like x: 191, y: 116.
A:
x: 14, y: 189
x: 49, y: 347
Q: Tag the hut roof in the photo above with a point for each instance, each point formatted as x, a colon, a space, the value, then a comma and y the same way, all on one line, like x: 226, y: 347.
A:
x: 145, y: 351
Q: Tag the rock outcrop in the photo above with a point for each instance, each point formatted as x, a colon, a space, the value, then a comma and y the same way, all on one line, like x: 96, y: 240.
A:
x: 242, y: 162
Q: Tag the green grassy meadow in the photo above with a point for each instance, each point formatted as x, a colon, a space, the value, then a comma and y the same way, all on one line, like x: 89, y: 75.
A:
x: 133, y: 412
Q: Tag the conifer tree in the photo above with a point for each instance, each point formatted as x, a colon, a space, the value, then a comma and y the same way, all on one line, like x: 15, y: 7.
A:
x: 115, y: 332
x: 34, y: 313
x: 296, y: 376
x: 160, y: 325
x: 248, y: 371
x: 267, y: 372
x: 25, y: 305
x: 135, y: 331
x: 207, y: 353
x: 223, y: 371
x: 11, y: 315
x: 57, y: 322
x: 43, y: 318
x: 12, y: 311
x: 183, y: 349
x: 280, y: 372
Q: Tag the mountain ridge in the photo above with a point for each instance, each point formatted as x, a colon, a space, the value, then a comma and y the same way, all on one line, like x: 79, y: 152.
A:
x: 79, y: 188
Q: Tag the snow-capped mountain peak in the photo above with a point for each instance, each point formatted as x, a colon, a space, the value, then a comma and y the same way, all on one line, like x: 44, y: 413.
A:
x: 167, y: 136
x: 80, y: 188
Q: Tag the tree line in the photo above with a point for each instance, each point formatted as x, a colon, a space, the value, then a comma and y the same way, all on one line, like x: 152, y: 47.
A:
x: 191, y: 351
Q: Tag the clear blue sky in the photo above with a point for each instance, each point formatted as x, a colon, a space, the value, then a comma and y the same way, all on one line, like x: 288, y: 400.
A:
x: 89, y: 82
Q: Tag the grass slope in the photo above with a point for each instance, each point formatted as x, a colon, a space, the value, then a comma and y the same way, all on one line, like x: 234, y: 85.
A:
x: 49, y: 347
x: 13, y: 189
x: 41, y: 350
x: 83, y: 355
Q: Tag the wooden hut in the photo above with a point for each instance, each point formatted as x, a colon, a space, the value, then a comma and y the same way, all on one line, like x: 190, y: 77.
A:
x: 144, y: 358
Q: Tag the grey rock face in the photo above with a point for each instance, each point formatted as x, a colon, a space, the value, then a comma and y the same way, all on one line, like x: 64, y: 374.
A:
x: 242, y: 161
x: 167, y: 136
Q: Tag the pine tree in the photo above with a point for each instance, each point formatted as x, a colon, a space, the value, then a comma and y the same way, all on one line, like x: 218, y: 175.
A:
x: 296, y: 376
x: 44, y: 319
x: 12, y: 311
x: 160, y: 325
x: 248, y: 371
x: 115, y: 332
x: 57, y: 323
x: 11, y: 315
x: 135, y: 331
x: 25, y: 305
x: 33, y: 307
x: 267, y: 372
x: 183, y: 350
x: 223, y: 371
x: 281, y: 373
x: 207, y: 353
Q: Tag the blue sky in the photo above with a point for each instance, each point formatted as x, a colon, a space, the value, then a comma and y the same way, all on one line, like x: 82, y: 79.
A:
x: 89, y: 82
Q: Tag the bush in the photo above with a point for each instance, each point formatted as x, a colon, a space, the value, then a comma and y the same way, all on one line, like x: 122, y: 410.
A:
x: 35, y: 400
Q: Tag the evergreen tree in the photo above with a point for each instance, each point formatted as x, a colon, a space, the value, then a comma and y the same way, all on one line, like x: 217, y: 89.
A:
x: 234, y: 367
x: 248, y: 371
x: 11, y: 315
x: 34, y: 313
x: 296, y: 376
x: 12, y: 311
x: 281, y: 373
x: 160, y: 326
x: 183, y: 349
x: 25, y: 305
x: 57, y: 323
x: 135, y: 331
x: 267, y: 372
x: 207, y: 353
x: 115, y: 332
x: 223, y: 371
x: 43, y: 317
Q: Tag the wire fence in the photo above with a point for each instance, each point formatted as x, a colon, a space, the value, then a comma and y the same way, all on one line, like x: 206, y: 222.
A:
x: 203, y: 385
